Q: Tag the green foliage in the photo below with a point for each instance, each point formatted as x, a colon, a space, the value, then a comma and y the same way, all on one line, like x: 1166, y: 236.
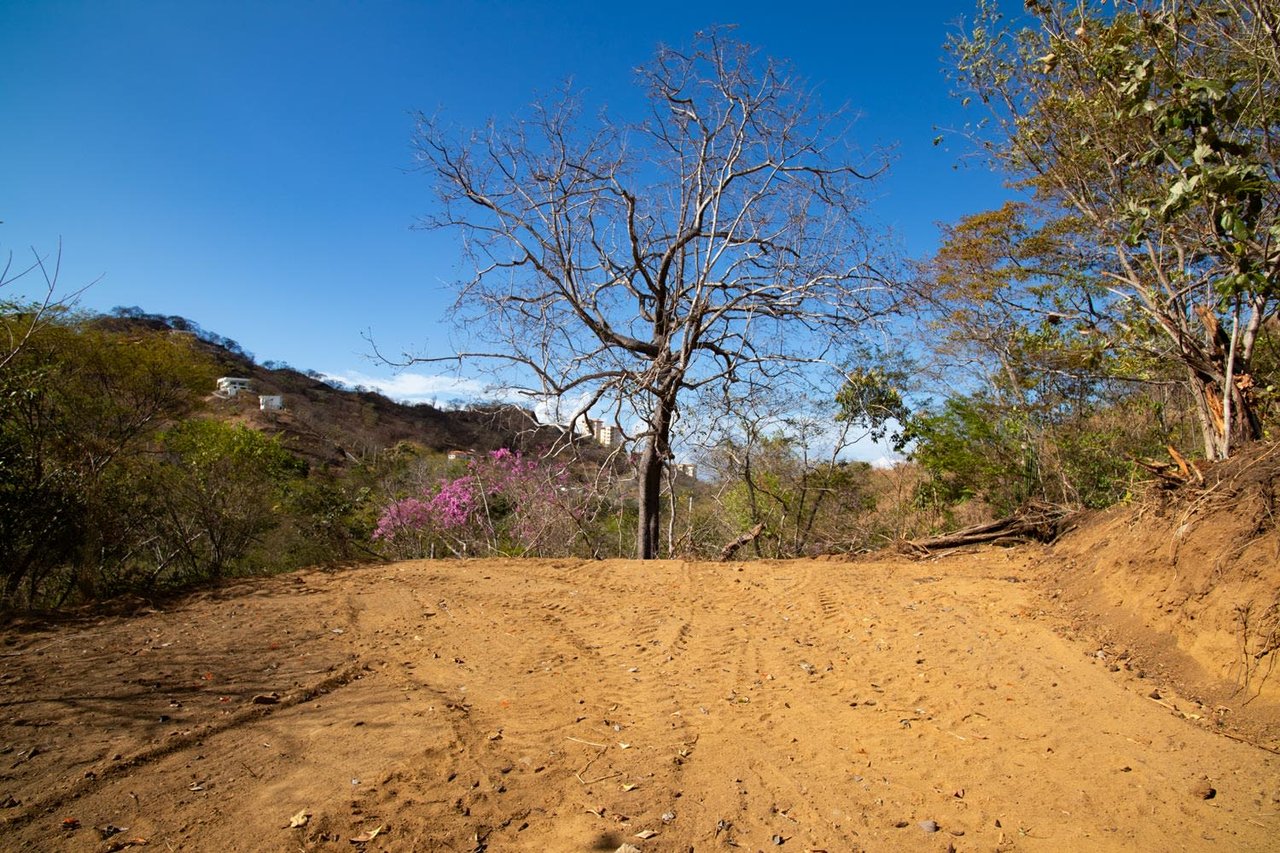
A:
x: 333, y: 518
x: 1267, y: 380
x: 219, y: 494
x: 976, y: 447
x: 1016, y: 312
x: 1154, y: 125
x: 213, y: 450
x: 870, y: 397
x: 109, y: 483
x: 973, y: 449
x: 79, y: 407
x: 807, y: 507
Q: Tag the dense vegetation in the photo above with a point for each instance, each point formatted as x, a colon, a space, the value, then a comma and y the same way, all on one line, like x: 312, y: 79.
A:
x: 1121, y: 310
x: 122, y: 472
x: 1148, y: 251
x: 1127, y: 303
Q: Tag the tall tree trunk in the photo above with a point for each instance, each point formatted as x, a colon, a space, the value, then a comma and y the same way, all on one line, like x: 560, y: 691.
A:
x: 652, y: 463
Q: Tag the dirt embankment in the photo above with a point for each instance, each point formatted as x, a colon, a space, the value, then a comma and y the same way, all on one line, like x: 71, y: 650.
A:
x: 1186, y: 587
x: 544, y: 705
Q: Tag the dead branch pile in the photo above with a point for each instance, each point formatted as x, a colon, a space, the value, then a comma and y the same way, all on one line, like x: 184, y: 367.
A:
x: 1035, y: 521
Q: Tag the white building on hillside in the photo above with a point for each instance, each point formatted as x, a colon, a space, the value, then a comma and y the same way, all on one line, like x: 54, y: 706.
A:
x: 229, y: 386
x: 270, y: 402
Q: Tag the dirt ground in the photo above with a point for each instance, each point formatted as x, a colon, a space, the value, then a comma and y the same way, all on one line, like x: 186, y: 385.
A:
x: 950, y: 704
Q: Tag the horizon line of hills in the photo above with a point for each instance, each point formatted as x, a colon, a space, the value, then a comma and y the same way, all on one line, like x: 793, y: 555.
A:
x: 328, y: 421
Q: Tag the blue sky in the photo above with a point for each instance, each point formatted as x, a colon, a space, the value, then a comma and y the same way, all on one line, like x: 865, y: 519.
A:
x: 248, y: 164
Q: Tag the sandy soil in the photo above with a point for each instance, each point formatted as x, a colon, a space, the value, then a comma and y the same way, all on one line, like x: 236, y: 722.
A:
x: 565, y: 705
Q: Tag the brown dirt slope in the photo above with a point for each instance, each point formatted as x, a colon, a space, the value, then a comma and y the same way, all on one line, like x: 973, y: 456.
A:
x: 1185, y: 586
x: 573, y: 705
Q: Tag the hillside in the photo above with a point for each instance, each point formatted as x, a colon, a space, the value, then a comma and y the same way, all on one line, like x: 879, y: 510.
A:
x: 1184, y: 588
x: 336, y: 426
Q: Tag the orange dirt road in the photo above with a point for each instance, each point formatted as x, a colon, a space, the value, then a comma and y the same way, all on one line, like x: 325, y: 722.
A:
x: 575, y: 706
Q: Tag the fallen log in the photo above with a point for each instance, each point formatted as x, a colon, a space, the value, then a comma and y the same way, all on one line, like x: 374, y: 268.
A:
x: 729, y: 550
x: 1035, y: 522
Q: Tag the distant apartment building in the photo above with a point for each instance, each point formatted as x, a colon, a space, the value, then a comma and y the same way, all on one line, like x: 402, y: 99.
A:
x: 606, y: 435
x: 609, y: 435
x: 270, y: 402
x: 687, y: 469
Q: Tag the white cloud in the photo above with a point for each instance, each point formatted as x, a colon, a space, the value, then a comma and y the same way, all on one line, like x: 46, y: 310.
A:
x: 416, y: 387
x: 440, y: 388
x: 551, y: 410
x: 886, y: 462
x: 880, y: 454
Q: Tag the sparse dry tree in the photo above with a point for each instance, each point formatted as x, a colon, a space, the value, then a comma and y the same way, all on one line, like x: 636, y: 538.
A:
x: 623, y: 265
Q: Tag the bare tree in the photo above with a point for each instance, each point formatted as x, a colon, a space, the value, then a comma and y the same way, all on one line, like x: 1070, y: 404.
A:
x: 715, y: 243
x: 20, y: 320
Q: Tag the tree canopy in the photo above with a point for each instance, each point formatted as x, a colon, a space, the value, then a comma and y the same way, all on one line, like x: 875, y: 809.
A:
x: 1154, y: 126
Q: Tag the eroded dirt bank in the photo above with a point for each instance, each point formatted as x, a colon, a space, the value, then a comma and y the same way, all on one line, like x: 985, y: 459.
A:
x: 569, y: 705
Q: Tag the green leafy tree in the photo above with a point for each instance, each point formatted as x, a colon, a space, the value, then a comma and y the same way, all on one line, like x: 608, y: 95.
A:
x: 220, y: 494
x: 1154, y: 125
x: 1011, y: 310
x: 871, y: 397
x: 973, y: 448
x: 78, y: 407
x: 332, y: 518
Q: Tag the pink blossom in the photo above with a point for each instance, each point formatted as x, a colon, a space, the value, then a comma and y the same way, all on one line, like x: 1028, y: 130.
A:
x: 401, y: 516
x: 505, y: 501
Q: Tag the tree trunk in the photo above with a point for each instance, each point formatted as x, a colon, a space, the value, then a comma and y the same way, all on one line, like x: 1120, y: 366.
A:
x: 1227, y: 420
x: 652, y: 463
x: 1219, y: 439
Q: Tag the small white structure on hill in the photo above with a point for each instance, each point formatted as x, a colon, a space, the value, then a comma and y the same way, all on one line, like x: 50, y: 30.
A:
x: 229, y: 386
x: 270, y: 402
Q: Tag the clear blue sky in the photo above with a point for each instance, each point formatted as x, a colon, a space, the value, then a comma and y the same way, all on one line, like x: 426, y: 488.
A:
x: 247, y: 164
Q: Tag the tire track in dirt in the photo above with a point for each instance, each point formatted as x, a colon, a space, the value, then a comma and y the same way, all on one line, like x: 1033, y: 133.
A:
x: 732, y: 684
x: 562, y: 705
x: 769, y: 635
x: 165, y: 681
x: 545, y: 739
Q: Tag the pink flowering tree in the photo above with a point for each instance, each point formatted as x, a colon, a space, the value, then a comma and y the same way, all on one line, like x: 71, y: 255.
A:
x: 504, y: 504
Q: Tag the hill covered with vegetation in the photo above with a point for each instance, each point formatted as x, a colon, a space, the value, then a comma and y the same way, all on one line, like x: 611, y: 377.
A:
x: 122, y: 469
x: 1114, y: 325
x: 126, y: 471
